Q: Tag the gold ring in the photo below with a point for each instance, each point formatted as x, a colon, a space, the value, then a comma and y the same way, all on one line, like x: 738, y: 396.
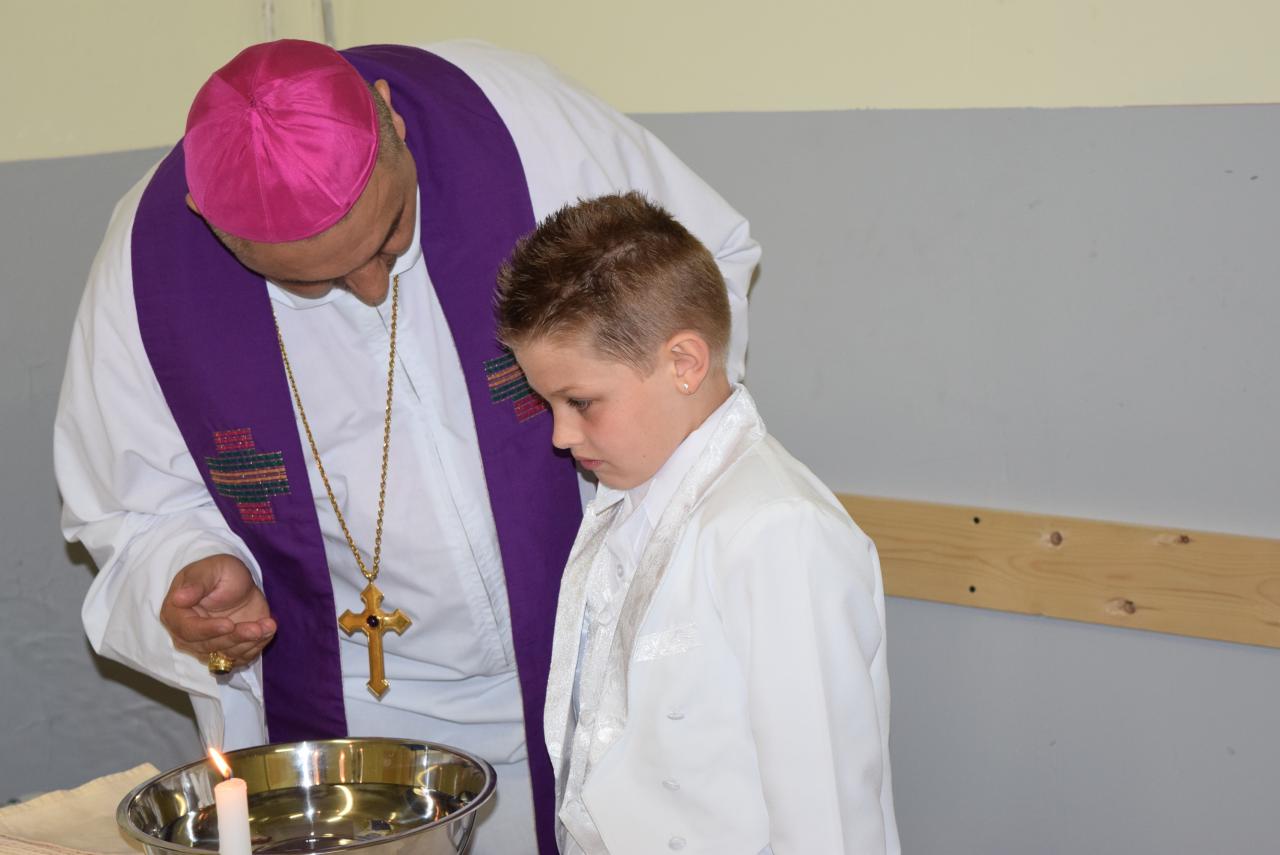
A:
x: 219, y: 663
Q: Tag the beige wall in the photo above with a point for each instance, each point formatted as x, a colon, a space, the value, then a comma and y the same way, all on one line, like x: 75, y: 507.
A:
x: 101, y: 76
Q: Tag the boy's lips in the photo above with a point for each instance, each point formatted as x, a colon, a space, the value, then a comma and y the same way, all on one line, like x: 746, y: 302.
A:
x: 587, y: 462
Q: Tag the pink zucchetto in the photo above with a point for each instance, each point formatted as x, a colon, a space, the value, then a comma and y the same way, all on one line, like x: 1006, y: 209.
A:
x: 280, y: 142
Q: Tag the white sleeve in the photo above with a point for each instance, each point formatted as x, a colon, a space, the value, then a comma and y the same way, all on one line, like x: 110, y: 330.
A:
x: 574, y: 146
x: 131, y: 492
x: 803, y: 609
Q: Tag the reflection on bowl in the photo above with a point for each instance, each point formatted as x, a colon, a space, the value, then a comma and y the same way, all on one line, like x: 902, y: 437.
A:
x: 383, y: 796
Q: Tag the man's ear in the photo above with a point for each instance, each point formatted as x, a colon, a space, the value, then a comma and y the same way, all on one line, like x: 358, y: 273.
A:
x: 690, y: 360
x: 384, y: 89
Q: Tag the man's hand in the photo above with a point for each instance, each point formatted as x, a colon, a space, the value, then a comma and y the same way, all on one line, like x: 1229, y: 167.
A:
x: 214, y: 605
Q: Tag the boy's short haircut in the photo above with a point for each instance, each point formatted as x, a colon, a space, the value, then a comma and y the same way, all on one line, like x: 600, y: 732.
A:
x: 616, y: 273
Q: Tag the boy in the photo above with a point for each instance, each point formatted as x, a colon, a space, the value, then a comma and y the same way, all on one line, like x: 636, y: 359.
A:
x: 718, y: 682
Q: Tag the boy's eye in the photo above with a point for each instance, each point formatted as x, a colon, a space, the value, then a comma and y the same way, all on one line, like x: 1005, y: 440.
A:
x: 577, y: 403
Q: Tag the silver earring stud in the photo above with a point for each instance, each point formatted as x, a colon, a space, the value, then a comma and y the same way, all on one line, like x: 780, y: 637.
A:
x: 686, y: 387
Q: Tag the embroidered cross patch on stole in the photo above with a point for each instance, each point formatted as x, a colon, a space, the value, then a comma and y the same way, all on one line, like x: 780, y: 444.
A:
x: 508, y: 383
x: 247, y: 476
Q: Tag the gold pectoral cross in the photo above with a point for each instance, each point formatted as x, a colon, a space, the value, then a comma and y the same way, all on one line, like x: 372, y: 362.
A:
x: 373, y: 622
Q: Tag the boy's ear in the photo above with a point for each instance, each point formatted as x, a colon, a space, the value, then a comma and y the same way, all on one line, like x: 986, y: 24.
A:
x: 690, y: 360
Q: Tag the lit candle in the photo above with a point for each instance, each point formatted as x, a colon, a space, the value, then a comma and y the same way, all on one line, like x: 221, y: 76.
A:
x: 231, y: 798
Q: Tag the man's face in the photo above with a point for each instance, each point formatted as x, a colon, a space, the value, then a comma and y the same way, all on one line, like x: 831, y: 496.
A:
x: 617, y: 423
x: 356, y: 254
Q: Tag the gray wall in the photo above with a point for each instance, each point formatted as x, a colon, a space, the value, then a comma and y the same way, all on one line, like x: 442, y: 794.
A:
x: 1067, y: 311
x: 68, y: 715
x: 1058, y: 311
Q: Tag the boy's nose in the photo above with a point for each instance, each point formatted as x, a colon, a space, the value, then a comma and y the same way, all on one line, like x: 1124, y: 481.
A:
x: 563, y: 435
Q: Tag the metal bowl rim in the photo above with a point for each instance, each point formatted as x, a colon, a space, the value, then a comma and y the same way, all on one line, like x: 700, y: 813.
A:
x: 148, y: 840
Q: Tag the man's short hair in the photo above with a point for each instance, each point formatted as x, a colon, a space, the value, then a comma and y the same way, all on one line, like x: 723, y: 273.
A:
x: 616, y: 273
x: 389, y: 143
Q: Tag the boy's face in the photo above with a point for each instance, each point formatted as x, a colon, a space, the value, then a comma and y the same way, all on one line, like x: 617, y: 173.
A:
x: 618, y: 424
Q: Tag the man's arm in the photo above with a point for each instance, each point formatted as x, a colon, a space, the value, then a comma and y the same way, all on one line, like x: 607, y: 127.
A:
x: 133, y: 497
x: 573, y: 145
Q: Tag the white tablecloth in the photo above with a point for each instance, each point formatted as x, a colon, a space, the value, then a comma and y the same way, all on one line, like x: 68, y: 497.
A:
x: 69, y: 822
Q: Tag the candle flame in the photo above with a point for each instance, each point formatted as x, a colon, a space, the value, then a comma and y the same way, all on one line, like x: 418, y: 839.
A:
x: 221, y: 762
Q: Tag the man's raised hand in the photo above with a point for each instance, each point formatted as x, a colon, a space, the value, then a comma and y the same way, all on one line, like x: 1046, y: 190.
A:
x: 213, y: 606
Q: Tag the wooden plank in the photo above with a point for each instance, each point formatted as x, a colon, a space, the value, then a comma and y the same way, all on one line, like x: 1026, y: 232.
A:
x: 1219, y: 586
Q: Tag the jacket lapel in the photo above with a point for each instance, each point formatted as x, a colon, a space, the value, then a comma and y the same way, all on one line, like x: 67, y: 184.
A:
x: 739, y: 430
x: 589, y: 544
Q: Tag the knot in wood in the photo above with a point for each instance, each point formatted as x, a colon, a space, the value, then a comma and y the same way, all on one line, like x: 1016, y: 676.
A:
x: 1120, y: 605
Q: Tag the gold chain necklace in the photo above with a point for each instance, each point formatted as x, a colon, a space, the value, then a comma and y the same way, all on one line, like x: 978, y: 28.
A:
x: 372, y: 621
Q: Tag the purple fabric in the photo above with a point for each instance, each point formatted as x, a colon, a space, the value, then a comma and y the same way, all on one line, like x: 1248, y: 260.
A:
x: 475, y: 205
x: 206, y: 326
x: 207, y: 329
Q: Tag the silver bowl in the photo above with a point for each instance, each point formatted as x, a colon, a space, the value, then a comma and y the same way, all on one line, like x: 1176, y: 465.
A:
x: 384, y: 796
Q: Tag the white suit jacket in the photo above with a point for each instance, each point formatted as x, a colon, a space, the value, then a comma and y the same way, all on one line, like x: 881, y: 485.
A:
x: 746, y: 705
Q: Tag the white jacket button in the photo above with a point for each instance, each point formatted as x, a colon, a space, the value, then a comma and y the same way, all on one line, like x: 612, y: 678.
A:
x: 675, y: 715
x: 671, y: 784
x: 676, y: 843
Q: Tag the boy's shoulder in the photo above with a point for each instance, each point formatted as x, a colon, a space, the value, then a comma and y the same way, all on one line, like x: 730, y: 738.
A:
x: 768, y: 487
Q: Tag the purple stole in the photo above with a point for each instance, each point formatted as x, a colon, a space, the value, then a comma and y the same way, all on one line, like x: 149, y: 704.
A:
x: 207, y: 329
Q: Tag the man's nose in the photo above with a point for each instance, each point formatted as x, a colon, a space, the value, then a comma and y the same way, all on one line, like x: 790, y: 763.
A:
x: 369, y: 283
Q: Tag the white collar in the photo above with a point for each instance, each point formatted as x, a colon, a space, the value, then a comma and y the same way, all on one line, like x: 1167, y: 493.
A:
x: 643, y: 505
x: 403, y: 264
x: 653, y: 496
